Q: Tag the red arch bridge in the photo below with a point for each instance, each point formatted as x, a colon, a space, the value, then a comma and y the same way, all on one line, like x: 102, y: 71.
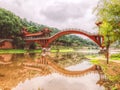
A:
x: 46, y: 41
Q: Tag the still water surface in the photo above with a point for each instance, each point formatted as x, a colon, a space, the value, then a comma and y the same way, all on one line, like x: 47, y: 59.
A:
x: 27, y: 72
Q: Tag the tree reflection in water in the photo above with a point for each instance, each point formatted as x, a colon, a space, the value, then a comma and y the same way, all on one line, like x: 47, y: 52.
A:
x: 5, y: 58
x: 26, y: 66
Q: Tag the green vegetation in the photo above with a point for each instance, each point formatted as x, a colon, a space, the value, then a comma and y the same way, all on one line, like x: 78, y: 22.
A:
x: 13, y: 51
x: 73, y: 40
x: 115, y: 56
x: 108, y: 12
x: 111, y: 70
x: 33, y: 51
x: 68, y: 59
x: 109, y: 15
x: 10, y: 24
x: 95, y: 61
x: 10, y: 27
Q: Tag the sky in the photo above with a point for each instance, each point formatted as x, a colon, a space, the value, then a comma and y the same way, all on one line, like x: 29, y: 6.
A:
x: 61, y: 14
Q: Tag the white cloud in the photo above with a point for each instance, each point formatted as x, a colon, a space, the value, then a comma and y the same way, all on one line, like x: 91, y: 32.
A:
x: 55, y: 13
x: 62, y: 12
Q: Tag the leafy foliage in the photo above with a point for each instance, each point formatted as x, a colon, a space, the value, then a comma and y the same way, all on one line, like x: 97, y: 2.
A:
x: 31, y: 26
x: 108, y: 11
x: 10, y: 24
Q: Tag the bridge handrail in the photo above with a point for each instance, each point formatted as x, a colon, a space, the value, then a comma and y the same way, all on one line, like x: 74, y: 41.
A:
x: 75, y: 30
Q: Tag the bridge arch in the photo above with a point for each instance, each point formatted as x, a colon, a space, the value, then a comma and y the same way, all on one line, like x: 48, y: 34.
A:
x: 94, y: 37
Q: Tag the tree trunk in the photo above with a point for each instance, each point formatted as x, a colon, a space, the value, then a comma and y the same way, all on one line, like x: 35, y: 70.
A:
x: 107, y: 54
x: 107, y: 49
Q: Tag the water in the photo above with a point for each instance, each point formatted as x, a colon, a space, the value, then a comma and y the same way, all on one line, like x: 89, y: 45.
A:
x: 22, y: 72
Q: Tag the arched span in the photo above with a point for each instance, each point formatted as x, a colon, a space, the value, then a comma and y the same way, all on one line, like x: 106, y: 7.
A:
x: 95, y: 37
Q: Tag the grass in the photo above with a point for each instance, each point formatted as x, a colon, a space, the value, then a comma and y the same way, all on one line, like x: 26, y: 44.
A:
x: 115, y: 56
x: 32, y: 51
x: 95, y: 61
x: 18, y: 51
x: 111, y: 70
x: 13, y: 51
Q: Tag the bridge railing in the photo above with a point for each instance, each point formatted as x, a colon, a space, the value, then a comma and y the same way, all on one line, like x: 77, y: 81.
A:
x: 71, y: 29
x: 93, y: 33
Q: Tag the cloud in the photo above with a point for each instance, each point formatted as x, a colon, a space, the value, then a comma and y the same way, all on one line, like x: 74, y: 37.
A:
x: 61, y: 12
x: 55, y: 13
x: 58, y: 82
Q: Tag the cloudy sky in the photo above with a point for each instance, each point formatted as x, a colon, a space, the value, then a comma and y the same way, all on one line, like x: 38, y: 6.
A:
x: 55, y: 13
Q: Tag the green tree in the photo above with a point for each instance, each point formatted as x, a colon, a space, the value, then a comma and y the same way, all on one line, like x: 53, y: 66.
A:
x: 31, y: 26
x: 108, y: 13
x: 10, y: 24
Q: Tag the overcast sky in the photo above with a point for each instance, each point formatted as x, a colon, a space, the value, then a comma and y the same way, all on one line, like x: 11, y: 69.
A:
x: 55, y: 13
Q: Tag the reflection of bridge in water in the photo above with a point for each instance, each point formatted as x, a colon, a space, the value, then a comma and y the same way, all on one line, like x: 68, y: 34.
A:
x: 47, y: 62
x: 58, y: 69
x: 23, y: 69
x: 52, y: 65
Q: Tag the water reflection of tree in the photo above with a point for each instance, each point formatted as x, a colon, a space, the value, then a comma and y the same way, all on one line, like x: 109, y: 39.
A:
x: 57, y: 52
x: 33, y: 56
x: 102, y: 77
x: 69, y: 58
x: 11, y: 75
x: 5, y: 59
x: 17, y: 57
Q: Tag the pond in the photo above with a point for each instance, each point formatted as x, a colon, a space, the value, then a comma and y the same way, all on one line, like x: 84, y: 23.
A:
x: 60, y: 71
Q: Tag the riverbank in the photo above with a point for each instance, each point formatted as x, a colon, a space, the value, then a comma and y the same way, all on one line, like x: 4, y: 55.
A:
x: 32, y: 51
x: 112, y: 72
